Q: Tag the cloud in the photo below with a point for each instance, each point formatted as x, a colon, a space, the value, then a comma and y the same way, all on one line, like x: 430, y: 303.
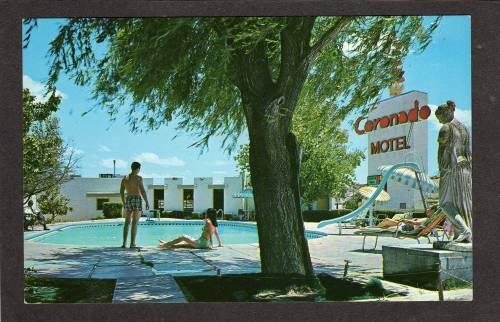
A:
x: 120, y: 164
x: 37, y: 89
x: 155, y: 175
x: 74, y: 151
x: 219, y: 172
x: 349, y: 49
x: 464, y: 116
x: 103, y: 148
x: 220, y: 163
x: 149, y: 157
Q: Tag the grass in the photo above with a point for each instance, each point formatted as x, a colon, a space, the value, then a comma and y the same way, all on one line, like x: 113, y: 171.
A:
x: 260, y: 288
x: 61, y: 290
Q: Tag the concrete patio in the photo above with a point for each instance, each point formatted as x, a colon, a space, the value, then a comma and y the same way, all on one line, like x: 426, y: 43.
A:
x: 146, y: 274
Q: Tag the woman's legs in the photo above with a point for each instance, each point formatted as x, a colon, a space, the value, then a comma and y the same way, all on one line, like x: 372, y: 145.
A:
x: 175, y: 243
x: 387, y: 222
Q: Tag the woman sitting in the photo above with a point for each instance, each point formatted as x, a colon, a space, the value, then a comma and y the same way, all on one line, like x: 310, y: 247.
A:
x: 205, y: 240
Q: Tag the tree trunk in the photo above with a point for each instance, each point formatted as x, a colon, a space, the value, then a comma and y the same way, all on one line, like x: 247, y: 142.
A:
x: 274, y: 163
x: 274, y: 154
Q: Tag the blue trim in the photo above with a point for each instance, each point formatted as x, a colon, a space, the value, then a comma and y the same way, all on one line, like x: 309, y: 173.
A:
x: 246, y: 225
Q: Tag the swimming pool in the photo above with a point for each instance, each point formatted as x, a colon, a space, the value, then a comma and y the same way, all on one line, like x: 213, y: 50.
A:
x: 148, y: 233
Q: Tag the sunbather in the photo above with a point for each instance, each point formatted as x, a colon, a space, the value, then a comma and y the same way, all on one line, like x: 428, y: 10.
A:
x: 205, y: 240
x: 35, y: 213
x: 391, y: 223
x: 408, y: 223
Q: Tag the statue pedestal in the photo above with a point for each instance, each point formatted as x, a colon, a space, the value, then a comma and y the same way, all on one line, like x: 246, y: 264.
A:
x: 417, y: 265
x: 458, y: 247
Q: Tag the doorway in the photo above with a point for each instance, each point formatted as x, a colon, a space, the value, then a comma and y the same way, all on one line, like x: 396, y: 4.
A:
x: 187, y: 200
x: 218, y: 200
x: 158, y: 199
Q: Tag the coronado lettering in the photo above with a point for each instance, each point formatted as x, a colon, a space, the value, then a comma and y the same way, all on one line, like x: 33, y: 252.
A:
x: 413, y: 115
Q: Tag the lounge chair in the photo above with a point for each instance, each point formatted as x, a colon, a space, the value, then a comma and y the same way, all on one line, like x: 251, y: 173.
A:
x: 425, y: 230
x: 363, y: 216
x: 29, y: 220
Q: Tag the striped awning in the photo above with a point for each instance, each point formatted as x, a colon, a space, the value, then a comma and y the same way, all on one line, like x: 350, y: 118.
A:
x: 368, y: 191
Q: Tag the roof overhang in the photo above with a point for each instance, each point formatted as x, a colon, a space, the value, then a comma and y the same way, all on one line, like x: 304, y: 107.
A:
x: 103, y: 194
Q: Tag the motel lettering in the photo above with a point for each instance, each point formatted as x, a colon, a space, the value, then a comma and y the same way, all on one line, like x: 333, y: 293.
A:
x: 389, y: 145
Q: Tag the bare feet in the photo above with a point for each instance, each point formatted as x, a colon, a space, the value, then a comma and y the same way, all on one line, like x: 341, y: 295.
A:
x: 164, y: 244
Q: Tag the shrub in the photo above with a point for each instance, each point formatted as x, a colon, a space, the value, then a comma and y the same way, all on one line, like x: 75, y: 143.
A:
x: 52, y: 204
x: 319, y: 215
x: 154, y: 213
x: 112, y: 210
x: 179, y: 214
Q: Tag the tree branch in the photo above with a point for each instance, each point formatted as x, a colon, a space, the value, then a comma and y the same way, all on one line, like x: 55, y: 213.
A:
x: 327, y: 37
x: 294, y: 46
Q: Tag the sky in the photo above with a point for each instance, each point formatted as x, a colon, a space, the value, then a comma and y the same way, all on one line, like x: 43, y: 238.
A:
x: 443, y: 71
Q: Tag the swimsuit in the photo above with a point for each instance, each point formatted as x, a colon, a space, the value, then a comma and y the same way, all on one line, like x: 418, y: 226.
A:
x: 133, y: 203
x: 202, y: 242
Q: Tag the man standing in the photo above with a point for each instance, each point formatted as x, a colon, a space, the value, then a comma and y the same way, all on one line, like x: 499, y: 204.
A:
x: 30, y: 210
x: 132, y: 183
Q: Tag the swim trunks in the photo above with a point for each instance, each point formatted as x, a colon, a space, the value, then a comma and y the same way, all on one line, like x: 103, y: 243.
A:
x: 133, y: 203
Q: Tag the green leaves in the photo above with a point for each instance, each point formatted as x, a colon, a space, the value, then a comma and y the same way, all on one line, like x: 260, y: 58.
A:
x: 53, y: 204
x: 191, y: 68
x: 328, y: 165
x: 47, y: 162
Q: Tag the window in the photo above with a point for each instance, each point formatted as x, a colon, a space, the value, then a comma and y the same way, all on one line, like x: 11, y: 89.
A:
x: 100, y: 202
x: 402, y: 205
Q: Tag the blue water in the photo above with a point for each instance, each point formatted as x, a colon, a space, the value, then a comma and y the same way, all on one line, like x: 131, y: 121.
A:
x: 148, y: 234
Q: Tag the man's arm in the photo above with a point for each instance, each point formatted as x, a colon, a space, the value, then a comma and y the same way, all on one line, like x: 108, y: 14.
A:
x: 143, y: 193
x: 122, y: 191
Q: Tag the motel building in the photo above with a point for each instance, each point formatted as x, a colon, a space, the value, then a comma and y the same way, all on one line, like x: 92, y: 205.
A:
x: 87, y: 195
x: 397, y: 131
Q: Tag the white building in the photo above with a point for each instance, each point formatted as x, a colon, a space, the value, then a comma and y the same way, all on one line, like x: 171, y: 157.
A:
x: 397, y: 131
x: 87, y: 195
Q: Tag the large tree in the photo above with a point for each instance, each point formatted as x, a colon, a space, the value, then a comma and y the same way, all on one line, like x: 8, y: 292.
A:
x: 217, y: 76
x: 47, y: 160
x: 328, y: 164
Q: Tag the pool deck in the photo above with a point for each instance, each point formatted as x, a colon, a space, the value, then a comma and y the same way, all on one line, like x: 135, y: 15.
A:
x: 145, y: 275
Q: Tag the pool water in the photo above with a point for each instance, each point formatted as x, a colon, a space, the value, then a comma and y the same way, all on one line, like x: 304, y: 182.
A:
x: 148, y: 233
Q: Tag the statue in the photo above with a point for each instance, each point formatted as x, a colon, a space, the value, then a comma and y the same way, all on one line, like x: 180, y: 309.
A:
x: 455, y: 170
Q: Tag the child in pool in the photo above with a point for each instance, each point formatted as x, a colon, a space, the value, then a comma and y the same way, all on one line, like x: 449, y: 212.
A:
x: 205, y: 240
